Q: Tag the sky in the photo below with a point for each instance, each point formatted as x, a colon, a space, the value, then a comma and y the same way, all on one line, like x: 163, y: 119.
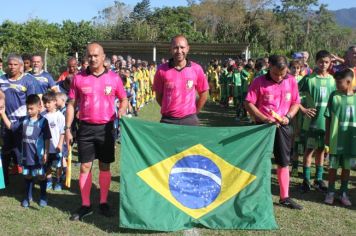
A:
x: 77, y: 10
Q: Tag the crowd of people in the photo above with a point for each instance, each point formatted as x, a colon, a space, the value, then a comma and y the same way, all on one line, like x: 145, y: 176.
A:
x: 323, y: 127
x: 32, y: 101
x: 313, y: 108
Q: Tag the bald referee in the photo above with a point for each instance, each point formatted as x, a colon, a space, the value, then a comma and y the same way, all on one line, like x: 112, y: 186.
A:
x: 95, y: 89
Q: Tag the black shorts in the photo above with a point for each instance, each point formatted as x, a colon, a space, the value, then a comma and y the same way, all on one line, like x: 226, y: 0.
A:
x: 283, y: 145
x: 12, y: 141
x: 96, y: 142
x: 191, y: 120
x: 54, y: 161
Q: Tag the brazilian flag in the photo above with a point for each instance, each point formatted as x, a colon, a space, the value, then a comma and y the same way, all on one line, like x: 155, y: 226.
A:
x: 179, y: 177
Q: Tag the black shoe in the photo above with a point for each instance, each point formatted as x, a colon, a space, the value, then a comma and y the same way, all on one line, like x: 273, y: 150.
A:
x: 105, y: 210
x: 305, y: 187
x: 82, y: 212
x: 288, y: 202
x: 320, y: 186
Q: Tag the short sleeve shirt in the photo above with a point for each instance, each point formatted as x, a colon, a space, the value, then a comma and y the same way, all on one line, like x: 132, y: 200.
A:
x: 268, y: 95
x: 34, y: 135
x: 317, y: 91
x: 179, y: 87
x: 341, y: 111
x: 44, y: 82
x: 56, y: 122
x: 16, y: 92
x: 96, y: 95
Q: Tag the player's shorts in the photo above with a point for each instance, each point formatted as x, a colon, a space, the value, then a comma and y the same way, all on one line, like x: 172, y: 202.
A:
x: 36, y: 170
x: 315, y: 139
x: 54, y: 161
x: 96, y: 142
x: 343, y: 161
x: 283, y: 145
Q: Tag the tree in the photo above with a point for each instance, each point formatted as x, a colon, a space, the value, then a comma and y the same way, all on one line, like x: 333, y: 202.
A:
x: 172, y: 21
x: 77, y: 35
x: 141, y: 11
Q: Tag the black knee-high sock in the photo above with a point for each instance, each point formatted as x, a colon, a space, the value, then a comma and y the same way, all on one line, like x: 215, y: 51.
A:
x: 29, y: 187
x: 43, y: 188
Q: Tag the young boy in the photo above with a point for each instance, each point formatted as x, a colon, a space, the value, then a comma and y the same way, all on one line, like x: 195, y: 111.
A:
x: 341, y: 133
x: 240, y: 85
x: 317, y: 88
x: 35, y: 146
x: 295, y: 67
x: 223, y: 85
x: 56, y: 123
x: 61, y: 101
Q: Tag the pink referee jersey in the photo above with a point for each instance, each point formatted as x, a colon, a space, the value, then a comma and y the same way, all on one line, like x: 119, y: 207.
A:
x: 267, y: 95
x: 96, y: 95
x: 179, y: 87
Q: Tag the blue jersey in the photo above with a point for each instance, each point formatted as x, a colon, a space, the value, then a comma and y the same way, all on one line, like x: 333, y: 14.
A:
x: 44, y: 82
x: 34, y: 135
x: 62, y: 88
x: 16, y: 92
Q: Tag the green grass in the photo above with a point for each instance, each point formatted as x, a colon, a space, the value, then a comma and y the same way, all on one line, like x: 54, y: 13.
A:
x: 316, y: 218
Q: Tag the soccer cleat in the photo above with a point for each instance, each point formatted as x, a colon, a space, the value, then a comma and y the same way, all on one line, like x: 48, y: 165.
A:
x: 58, y: 187
x: 49, y: 185
x: 305, y: 187
x: 320, y: 185
x: 344, y: 199
x: 25, y: 203
x: 43, y: 202
x: 105, y: 210
x: 82, y: 212
x: 288, y: 202
x: 329, y: 199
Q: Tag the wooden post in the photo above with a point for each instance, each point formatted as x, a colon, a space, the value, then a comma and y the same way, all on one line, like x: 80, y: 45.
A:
x: 154, y: 53
x: 45, y: 59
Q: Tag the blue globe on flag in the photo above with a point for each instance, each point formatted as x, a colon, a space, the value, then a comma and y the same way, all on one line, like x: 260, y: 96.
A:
x: 195, y: 181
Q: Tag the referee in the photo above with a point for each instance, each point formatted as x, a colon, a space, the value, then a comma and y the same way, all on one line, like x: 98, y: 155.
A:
x: 95, y: 90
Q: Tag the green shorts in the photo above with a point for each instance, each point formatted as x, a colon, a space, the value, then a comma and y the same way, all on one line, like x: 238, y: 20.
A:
x: 315, y: 140
x: 343, y: 161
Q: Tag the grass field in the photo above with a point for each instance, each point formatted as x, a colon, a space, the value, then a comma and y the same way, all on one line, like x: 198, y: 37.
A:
x: 316, y: 218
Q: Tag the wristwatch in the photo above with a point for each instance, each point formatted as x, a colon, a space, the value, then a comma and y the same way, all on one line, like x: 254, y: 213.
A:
x: 289, y: 117
x: 66, y: 127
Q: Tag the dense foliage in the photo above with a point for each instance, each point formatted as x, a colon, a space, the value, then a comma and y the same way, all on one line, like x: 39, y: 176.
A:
x: 283, y: 26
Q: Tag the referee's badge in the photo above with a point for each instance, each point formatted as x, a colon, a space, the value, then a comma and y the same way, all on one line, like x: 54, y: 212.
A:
x: 190, y: 84
x: 108, y: 90
x: 288, y: 96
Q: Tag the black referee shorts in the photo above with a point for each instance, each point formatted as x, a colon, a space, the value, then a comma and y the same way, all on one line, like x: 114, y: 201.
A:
x: 283, y: 145
x: 96, y: 142
x: 190, y: 120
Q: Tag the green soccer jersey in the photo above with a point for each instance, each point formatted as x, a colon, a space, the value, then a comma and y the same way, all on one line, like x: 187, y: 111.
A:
x: 261, y: 72
x: 341, y: 111
x: 236, y: 81
x: 223, y: 83
x: 317, y: 90
x: 244, y: 81
x: 299, y: 78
